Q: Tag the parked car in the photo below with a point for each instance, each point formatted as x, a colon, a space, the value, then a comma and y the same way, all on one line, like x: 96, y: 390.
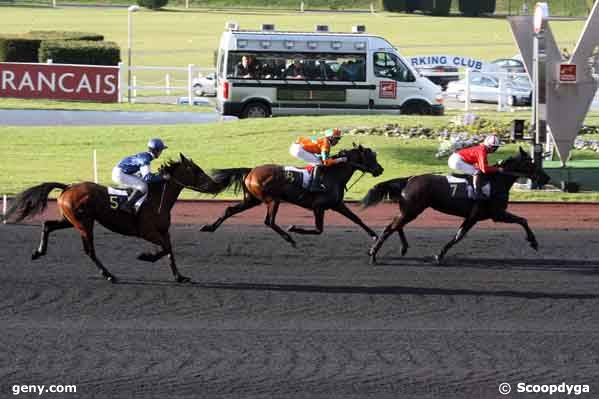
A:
x: 512, y: 65
x: 440, y: 75
x: 485, y: 88
x: 205, y: 85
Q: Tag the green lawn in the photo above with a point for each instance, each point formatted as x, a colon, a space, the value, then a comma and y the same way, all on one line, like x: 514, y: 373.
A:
x: 33, y: 155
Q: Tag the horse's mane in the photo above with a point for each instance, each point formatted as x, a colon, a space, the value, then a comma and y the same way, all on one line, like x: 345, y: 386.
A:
x: 169, y: 167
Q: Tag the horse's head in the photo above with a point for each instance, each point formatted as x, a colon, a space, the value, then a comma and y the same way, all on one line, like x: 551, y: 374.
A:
x: 186, y: 173
x: 523, y: 164
x: 363, y: 159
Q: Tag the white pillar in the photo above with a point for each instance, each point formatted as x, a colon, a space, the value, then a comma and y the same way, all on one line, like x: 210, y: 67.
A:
x: 167, y: 79
x: 501, y: 96
x: 120, y: 82
x: 467, y: 93
x: 49, y: 61
x: 372, y: 8
x: 189, y: 83
x: 4, y: 205
x: 133, y: 89
x: 95, y: 167
x: 186, y: 3
x: 301, y: 6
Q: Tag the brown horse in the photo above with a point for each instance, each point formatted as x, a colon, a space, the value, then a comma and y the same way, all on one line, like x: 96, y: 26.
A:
x: 270, y: 184
x: 84, y: 203
x: 417, y: 193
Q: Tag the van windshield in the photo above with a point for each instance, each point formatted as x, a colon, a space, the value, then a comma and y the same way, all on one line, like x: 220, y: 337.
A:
x: 299, y: 66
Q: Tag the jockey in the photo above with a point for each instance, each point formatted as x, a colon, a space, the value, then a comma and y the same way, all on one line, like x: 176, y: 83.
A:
x: 473, y: 161
x: 315, y: 151
x: 134, y: 172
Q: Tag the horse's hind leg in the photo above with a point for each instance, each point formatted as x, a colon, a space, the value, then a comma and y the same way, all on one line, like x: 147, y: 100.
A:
x: 461, y: 233
x: 48, y: 227
x: 397, y: 224
x: 318, y: 221
x: 273, y: 208
x: 249, y: 202
x: 87, y: 237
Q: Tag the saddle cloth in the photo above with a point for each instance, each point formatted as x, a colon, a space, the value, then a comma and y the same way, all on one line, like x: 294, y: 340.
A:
x: 461, y: 187
x: 300, y: 177
x: 118, y: 196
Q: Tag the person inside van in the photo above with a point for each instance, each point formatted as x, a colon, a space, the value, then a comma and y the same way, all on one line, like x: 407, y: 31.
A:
x: 246, y: 68
x: 295, y: 70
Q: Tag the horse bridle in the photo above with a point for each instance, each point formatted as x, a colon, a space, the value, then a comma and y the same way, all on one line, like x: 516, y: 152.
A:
x: 176, y: 181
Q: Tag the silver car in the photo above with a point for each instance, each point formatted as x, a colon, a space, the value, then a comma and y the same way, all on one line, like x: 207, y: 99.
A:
x: 485, y: 88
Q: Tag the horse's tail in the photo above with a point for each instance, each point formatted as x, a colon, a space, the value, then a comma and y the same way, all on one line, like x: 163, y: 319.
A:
x: 390, y: 189
x: 226, y: 178
x: 31, y: 201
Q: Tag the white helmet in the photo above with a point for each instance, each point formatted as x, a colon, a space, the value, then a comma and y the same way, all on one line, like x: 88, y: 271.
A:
x: 491, y: 141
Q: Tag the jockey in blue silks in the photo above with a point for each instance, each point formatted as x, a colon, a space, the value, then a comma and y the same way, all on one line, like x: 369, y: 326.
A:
x: 135, y: 172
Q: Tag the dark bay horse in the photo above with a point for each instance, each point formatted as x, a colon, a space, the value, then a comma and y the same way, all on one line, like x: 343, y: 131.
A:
x: 270, y: 184
x: 417, y: 193
x: 84, y: 203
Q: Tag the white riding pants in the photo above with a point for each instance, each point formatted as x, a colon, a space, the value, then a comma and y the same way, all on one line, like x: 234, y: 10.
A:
x: 456, y: 162
x: 298, y: 151
x: 119, y: 177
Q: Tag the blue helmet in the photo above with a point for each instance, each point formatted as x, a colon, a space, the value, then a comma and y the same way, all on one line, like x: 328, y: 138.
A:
x: 156, y: 145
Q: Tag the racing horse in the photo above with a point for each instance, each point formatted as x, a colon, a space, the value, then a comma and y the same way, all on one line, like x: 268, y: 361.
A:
x: 82, y: 204
x: 417, y: 193
x: 271, y: 184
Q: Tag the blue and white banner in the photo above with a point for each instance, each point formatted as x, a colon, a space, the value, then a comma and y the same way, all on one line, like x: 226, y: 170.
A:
x: 448, y: 60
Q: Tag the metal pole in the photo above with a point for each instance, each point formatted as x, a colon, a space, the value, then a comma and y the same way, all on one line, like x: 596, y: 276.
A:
x: 540, y: 97
x: 95, y: 167
x: 129, y: 27
x: 189, y: 85
x: 4, y: 207
x: 120, y: 82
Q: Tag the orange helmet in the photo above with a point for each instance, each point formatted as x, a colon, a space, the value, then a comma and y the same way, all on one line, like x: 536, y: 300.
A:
x: 335, y: 132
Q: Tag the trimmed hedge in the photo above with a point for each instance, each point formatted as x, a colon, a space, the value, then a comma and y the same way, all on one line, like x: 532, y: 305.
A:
x: 473, y: 8
x: 395, y: 5
x: 80, y: 52
x: 435, y: 7
x: 65, y: 35
x: 18, y: 49
x: 152, y: 4
x: 25, y: 48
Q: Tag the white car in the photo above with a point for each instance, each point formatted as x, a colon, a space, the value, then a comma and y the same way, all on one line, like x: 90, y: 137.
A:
x: 485, y: 88
x: 205, y: 85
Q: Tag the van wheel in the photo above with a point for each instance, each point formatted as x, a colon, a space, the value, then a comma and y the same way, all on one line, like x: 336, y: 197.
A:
x: 255, y: 110
x: 417, y: 108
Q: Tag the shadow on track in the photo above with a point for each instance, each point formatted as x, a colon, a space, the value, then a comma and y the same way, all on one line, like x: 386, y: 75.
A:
x: 547, y: 264
x: 370, y: 290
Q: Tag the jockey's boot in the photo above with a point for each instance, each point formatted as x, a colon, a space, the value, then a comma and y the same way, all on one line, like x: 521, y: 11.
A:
x: 129, y: 205
x: 478, y: 189
x: 316, y: 185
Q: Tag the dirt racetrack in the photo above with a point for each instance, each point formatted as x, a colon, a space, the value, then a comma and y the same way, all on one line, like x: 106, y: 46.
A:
x: 265, y: 320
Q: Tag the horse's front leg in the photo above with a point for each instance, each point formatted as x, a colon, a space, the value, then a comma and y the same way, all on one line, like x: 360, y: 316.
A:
x: 318, y: 221
x: 345, y: 211
x: 506, y: 217
x: 464, y: 228
x: 164, y: 240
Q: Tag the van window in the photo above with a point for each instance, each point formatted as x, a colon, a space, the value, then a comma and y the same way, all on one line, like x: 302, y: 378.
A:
x: 221, y: 63
x: 388, y: 65
x: 297, y: 66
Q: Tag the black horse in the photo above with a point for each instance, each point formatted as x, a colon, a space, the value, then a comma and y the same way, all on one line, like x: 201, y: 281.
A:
x: 82, y: 204
x: 272, y: 184
x: 416, y: 193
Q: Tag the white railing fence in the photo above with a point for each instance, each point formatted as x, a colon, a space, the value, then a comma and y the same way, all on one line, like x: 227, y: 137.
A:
x: 171, y: 80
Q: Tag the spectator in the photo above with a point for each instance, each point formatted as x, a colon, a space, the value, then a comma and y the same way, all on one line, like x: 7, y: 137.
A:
x: 246, y: 68
x: 295, y: 70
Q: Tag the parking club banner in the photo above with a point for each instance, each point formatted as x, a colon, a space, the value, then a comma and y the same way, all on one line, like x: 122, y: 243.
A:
x: 448, y: 60
x: 59, y: 82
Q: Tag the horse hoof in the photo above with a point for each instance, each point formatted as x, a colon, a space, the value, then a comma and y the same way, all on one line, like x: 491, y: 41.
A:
x: 183, y: 279
x: 438, y: 260
x: 146, y: 257
x: 110, y: 278
x: 535, y: 245
x: 404, y: 251
x: 291, y: 228
x: 207, y: 228
x: 372, y: 260
x: 35, y: 255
